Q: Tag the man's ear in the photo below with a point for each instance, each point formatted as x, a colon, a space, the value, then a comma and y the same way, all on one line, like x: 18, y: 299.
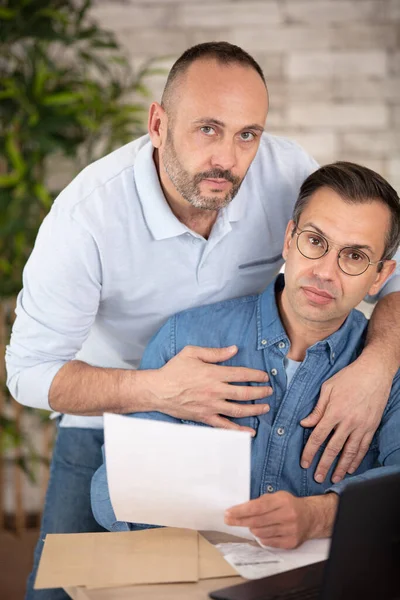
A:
x: 157, y: 124
x: 288, y: 238
x: 387, y: 269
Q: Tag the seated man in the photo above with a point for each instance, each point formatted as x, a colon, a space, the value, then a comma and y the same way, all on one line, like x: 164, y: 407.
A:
x: 302, y: 330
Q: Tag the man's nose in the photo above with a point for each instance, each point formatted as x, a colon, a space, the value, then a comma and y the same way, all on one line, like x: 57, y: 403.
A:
x: 224, y: 156
x: 327, y: 266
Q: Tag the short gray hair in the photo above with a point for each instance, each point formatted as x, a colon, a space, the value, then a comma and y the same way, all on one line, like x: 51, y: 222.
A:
x: 223, y: 52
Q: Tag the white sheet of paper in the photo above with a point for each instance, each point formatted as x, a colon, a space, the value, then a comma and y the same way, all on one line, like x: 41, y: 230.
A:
x: 253, y: 562
x: 176, y: 475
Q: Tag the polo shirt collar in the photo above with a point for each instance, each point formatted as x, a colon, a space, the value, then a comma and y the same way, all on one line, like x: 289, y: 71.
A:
x: 159, y: 217
x: 236, y: 208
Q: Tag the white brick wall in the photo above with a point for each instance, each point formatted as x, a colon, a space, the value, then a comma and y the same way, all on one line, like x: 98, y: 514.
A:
x: 339, y: 116
x: 333, y: 66
x: 239, y: 14
x: 308, y: 65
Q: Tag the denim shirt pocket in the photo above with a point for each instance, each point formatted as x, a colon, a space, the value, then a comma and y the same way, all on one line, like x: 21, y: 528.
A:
x: 310, y: 487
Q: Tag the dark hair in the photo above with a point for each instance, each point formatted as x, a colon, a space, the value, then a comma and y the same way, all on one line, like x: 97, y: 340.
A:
x: 354, y: 184
x: 223, y: 52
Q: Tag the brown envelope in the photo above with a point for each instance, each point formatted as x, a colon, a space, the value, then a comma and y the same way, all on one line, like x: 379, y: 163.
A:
x: 103, y: 560
x: 211, y: 562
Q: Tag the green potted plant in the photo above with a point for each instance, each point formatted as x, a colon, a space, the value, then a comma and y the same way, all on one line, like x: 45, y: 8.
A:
x: 66, y: 93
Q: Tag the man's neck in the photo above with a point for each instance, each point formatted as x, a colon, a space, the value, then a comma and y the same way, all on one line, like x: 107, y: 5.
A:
x: 198, y: 220
x: 302, y: 333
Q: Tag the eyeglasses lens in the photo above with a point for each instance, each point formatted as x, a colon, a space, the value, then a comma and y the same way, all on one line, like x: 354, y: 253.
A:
x: 351, y: 261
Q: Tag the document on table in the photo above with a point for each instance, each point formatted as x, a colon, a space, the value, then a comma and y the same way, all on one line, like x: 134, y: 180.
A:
x: 253, y: 562
x: 176, y: 475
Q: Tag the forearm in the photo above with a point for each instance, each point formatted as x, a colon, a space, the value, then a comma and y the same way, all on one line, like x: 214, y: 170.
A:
x: 384, y: 333
x: 322, y: 512
x: 81, y: 389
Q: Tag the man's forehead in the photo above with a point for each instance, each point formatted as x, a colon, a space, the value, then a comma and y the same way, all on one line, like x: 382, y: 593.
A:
x: 231, y: 94
x: 344, y: 222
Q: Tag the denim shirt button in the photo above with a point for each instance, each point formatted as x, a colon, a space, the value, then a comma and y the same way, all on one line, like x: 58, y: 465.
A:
x: 264, y: 342
x: 281, y: 345
x: 274, y: 372
x: 280, y: 431
x: 270, y: 489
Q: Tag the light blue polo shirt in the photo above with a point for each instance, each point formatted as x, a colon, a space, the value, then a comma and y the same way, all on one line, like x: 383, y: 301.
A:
x: 112, y: 262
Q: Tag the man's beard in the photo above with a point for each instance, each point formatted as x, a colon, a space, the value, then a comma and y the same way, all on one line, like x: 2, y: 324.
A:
x: 189, y: 185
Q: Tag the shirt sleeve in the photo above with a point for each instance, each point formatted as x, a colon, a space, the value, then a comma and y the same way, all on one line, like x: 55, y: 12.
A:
x: 388, y: 443
x: 55, y: 309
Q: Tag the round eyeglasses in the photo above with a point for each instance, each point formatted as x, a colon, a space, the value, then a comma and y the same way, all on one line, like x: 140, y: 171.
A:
x: 351, y: 261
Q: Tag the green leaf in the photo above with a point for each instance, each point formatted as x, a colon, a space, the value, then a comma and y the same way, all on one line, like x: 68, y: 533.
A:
x: 62, y: 98
x: 52, y: 14
x: 9, y: 180
x: 14, y: 154
x: 51, y: 106
x: 142, y: 89
x: 7, y: 13
x: 42, y: 194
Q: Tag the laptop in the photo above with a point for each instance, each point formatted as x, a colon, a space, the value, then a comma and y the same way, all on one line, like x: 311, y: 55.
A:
x: 364, y: 558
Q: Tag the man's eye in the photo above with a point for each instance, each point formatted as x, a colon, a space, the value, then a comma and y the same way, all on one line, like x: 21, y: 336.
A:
x: 207, y: 130
x: 247, y: 136
x: 355, y: 256
x: 314, y: 241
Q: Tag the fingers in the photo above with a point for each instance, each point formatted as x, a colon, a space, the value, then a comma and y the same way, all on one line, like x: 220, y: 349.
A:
x: 247, y: 510
x: 240, y: 411
x: 348, y: 456
x: 245, y: 393
x: 362, y: 451
x: 240, y: 375
x: 272, y: 518
x: 222, y: 423
x: 259, y: 507
x: 331, y: 451
x: 265, y: 521
x: 266, y: 532
x: 210, y: 355
x: 276, y: 542
x: 222, y: 372
x: 316, y: 439
x: 317, y: 413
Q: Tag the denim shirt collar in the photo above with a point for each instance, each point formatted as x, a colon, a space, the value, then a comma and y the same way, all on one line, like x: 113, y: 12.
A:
x: 270, y: 329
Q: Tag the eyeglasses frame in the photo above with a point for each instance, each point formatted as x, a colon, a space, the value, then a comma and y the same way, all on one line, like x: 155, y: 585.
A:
x: 330, y: 244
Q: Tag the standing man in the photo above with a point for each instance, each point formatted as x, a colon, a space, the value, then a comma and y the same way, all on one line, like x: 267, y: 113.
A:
x: 161, y: 225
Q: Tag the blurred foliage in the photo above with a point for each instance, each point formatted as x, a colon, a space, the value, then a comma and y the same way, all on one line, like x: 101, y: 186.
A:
x: 66, y: 90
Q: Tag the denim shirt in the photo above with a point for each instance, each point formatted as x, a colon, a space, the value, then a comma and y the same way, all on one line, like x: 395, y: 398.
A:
x: 253, y: 324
